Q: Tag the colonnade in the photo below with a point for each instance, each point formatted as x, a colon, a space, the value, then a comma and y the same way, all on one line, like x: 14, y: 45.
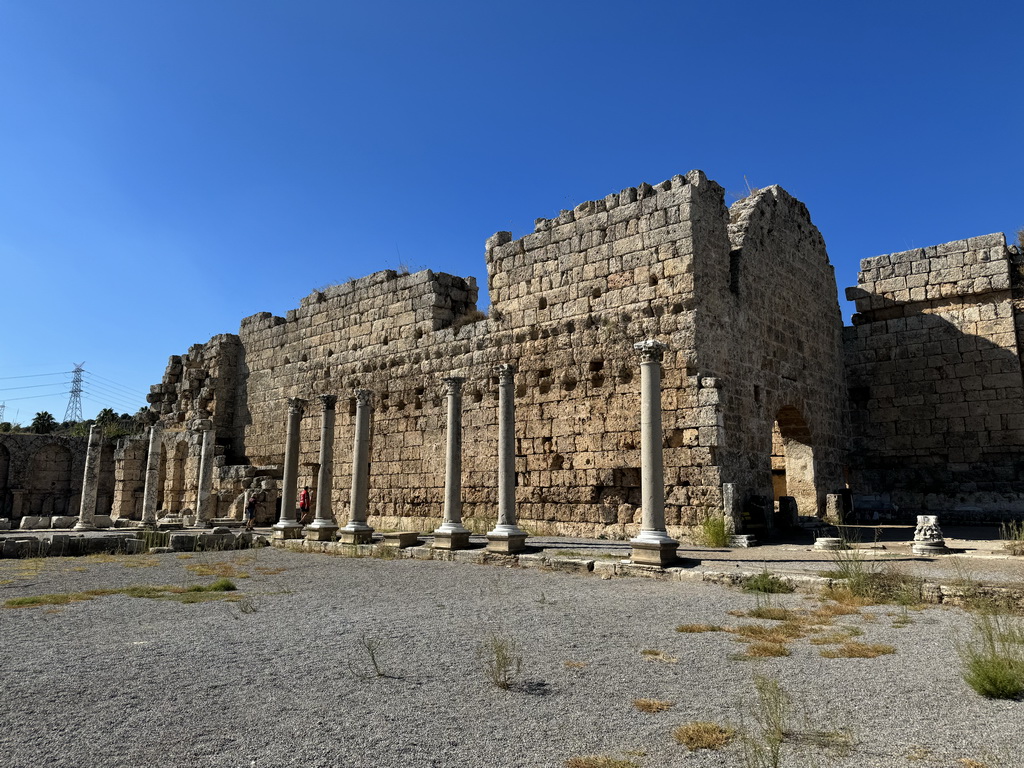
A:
x: 652, y: 546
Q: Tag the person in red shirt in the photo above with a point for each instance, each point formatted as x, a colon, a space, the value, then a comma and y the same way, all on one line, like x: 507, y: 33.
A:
x: 304, y: 517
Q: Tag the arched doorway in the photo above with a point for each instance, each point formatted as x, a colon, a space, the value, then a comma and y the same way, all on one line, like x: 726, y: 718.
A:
x: 792, y: 461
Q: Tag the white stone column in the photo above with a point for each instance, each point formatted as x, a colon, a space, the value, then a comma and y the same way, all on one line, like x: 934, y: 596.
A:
x: 287, y: 526
x: 452, y: 534
x: 203, y: 512
x: 323, y: 526
x: 506, y: 537
x: 152, y: 489
x: 653, y: 546
x: 356, y: 531
x: 90, y: 482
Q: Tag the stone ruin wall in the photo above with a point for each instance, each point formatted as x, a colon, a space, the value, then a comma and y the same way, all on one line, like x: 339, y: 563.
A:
x: 567, y: 303
x: 937, y: 401
x: 782, y: 363
x: 41, y: 477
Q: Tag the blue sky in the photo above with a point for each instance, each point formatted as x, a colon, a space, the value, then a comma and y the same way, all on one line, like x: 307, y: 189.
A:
x: 171, y: 166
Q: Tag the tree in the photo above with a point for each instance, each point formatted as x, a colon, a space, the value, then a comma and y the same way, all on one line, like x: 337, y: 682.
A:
x: 43, y: 423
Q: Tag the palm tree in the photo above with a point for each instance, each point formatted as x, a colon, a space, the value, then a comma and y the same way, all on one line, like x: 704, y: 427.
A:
x: 43, y: 423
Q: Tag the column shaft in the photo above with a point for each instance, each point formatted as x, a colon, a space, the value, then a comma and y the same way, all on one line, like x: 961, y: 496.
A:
x: 90, y: 481
x: 287, y: 527
x: 323, y: 526
x: 357, y: 531
x: 152, y: 490
x: 506, y: 536
x: 452, y: 534
x: 203, y: 512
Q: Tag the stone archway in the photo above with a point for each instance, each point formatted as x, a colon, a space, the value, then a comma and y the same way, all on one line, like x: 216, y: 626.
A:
x: 792, y: 461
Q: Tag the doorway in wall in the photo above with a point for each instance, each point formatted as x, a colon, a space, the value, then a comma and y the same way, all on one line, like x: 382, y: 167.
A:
x: 792, y: 461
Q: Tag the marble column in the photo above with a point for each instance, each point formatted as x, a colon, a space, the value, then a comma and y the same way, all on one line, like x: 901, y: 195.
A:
x: 288, y: 527
x: 323, y: 526
x: 90, y: 482
x: 653, y: 546
x: 452, y: 534
x: 356, y: 531
x: 506, y: 537
x: 152, y: 489
x: 204, y: 513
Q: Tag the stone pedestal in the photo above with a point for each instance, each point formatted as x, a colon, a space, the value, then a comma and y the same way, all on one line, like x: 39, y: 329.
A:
x: 323, y: 527
x: 288, y: 527
x: 828, y: 544
x: 653, y: 546
x: 928, y: 539
x: 204, y: 514
x: 506, y: 537
x: 356, y: 531
x: 452, y: 534
x: 731, y: 509
x: 834, y: 508
x: 450, y: 539
x: 152, y: 488
x: 90, y: 483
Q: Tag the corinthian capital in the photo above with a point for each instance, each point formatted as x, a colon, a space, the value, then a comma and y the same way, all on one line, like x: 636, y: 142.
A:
x: 650, y: 350
x: 296, y: 405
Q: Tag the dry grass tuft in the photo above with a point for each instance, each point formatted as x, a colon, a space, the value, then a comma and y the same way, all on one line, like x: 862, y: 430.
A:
x: 268, y: 571
x: 763, y: 650
x: 703, y: 735
x: 598, y: 761
x: 570, y: 664
x: 857, y: 650
x: 840, y: 635
x: 694, y: 628
x: 653, y: 705
x: 773, y: 613
x: 223, y: 570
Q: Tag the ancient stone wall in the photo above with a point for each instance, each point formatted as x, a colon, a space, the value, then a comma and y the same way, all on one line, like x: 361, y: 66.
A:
x: 567, y: 303
x: 937, y: 400
x: 41, y: 476
x: 781, y: 361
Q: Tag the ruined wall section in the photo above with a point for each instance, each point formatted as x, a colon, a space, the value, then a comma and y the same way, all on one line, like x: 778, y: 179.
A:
x: 568, y: 302
x: 937, y: 400
x: 782, y: 351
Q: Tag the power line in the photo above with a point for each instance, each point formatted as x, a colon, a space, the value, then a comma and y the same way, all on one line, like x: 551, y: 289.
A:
x: 98, y: 389
x: 35, y: 375
x: 33, y: 397
x: 74, y: 411
x: 104, y: 388
x: 110, y: 382
x: 29, y: 386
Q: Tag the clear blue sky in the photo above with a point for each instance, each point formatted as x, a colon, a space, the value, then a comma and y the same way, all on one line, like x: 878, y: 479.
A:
x: 169, y: 167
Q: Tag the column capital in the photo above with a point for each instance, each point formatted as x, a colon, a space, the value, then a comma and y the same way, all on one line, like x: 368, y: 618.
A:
x: 650, y: 350
x: 364, y: 396
x: 506, y: 372
x: 296, y: 405
x: 328, y: 401
x: 453, y: 384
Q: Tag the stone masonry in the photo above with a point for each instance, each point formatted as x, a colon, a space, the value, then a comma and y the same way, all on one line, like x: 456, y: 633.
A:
x: 756, y: 403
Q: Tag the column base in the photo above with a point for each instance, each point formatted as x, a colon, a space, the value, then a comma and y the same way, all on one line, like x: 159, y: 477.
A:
x: 451, y: 540
x: 506, y: 542
x: 315, y: 532
x: 79, y: 526
x: 358, y: 536
x: 660, y: 553
x: 286, y: 531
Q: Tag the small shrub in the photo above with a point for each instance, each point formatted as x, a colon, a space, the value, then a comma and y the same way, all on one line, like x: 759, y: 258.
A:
x: 857, y: 650
x: 221, y: 585
x: 1012, y: 534
x: 502, y: 660
x: 713, y: 531
x: 767, y: 583
x: 993, y: 663
x: 703, y: 735
x: 653, y: 705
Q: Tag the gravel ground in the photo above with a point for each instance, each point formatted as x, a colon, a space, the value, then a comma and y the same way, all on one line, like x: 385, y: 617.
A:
x: 281, y: 677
